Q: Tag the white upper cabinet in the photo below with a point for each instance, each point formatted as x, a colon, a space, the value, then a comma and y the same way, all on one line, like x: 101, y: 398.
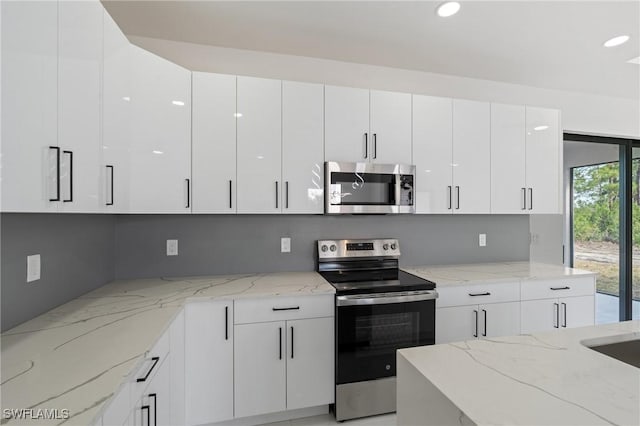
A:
x: 544, y: 160
x: 259, y: 140
x: 346, y: 115
x: 116, y: 118
x: 29, y: 106
x: 302, y: 148
x: 213, y: 155
x: 367, y: 126
x: 471, y: 157
x: 508, y: 159
x: 432, y: 153
x: 79, y: 112
x: 160, y: 155
x: 390, y: 135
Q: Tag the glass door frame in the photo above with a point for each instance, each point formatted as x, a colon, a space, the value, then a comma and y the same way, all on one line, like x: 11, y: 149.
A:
x: 625, y: 232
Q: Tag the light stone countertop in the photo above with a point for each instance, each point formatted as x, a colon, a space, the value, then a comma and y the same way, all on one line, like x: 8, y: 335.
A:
x: 538, y: 379
x: 447, y: 275
x: 78, y: 354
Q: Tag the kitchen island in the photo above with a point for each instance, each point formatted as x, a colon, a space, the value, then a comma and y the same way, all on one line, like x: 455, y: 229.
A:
x: 538, y: 379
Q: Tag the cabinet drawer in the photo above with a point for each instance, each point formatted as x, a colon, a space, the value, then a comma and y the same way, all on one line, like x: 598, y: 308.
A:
x: 149, y: 366
x: 282, y: 308
x: 560, y: 287
x: 476, y: 294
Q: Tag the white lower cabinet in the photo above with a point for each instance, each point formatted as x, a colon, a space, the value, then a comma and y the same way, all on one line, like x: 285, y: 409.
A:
x: 208, y: 362
x: 153, y: 407
x: 550, y: 314
x: 457, y: 323
x: 286, y: 361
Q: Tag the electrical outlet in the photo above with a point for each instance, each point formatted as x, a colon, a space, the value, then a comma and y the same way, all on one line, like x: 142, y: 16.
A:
x: 33, y: 268
x: 482, y: 240
x: 285, y: 245
x: 172, y: 247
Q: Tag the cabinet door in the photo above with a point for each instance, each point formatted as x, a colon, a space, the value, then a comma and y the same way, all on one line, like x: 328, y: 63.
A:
x: 310, y: 362
x: 208, y: 362
x: 213, y: 149
x: 457, y: 323
x: 577, y: 311
x: 154, y: 407
x: 499, y: 319
x: 390, y: 122
x: 79, y: 90
x: 508, y: 187
x: 259, y: 145
x: 544, y: 160
x: 116, y: 118
x: 346, y: 125
x: 432, y: 151
x: 471, y: 157
x: 161, y: 135
x: 302, y: 147
x: 29, y: 99
x: 259, y: 368
x: 539, y: 315
x: 177, y: 351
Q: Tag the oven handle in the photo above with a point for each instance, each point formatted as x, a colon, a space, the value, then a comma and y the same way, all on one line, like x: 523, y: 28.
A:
x: 385, y: 298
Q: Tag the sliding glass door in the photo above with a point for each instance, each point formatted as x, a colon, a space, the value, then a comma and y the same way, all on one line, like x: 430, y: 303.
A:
x: 635, y: 225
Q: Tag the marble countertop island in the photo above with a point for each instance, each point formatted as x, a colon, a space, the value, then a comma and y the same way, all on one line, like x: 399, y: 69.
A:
x: 540, y: 379
x: 447, y: 275
x: 76, y: 356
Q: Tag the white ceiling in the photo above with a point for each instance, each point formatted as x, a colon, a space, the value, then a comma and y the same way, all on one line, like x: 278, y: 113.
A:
x: 553, y: 44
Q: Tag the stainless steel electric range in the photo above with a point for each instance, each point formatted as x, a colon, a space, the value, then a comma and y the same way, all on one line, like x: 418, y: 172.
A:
x: 379, y: 309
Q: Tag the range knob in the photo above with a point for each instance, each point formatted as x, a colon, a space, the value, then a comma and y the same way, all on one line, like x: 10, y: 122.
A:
x: 333, y: 247
x: 385, y: 246
x: 324, y: 248
x: 393, y: 246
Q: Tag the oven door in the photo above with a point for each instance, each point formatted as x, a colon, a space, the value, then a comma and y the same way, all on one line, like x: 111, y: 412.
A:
x: 370, y: 328
x: 368, y: 188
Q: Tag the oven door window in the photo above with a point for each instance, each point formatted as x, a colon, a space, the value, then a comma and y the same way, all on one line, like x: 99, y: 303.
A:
x: 368, y: 337
x: 363, y: 189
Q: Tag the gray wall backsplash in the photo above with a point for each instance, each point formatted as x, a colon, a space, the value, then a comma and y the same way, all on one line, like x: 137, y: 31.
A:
x: 77, y: 256
x: 228, y: 244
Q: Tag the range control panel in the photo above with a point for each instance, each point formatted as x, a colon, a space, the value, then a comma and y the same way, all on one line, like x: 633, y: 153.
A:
x: 336, y: 249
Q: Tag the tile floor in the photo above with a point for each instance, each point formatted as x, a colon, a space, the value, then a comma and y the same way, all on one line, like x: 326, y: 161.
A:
x: 329, y: 420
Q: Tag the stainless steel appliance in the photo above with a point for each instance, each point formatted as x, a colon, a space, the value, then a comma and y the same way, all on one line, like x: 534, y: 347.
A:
x: 379, y: 309
x: 369, y: 188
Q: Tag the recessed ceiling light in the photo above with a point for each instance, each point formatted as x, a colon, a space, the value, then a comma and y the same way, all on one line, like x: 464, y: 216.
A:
x: 616, y: 41
x: 634, y: 61
x: 449, y: 8
x: 539, y: 128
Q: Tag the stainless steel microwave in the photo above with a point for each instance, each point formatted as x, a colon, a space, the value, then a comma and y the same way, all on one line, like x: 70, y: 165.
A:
x: 367, y: 188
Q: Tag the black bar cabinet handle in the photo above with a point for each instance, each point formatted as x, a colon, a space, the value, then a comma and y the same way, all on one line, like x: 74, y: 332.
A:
x: 457, y: 198
x: 560, y: 288
x: 450, y: 197
x: 476, y: 333
x: 276, y: 194
x: 524, y: 198
x: 70, y: 199
x: 375, y: 146
x: 280, y: 342
x: 293, y: 308
x: 484, y: 333
x: 291, y: 342
x: 480, y: 294
x: 110, y: 203
x: 188, y: 193
x: 530, y: 198
x: 145, y: 407
x: 155, y: 360
x: 230, y: 194
x: 226, y: 323
x: 564, y: 306
x: 57, y: 197
x: 155, y: 408
x: 286, y: 192
x: 366, y: 143
x: 557, y: 309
